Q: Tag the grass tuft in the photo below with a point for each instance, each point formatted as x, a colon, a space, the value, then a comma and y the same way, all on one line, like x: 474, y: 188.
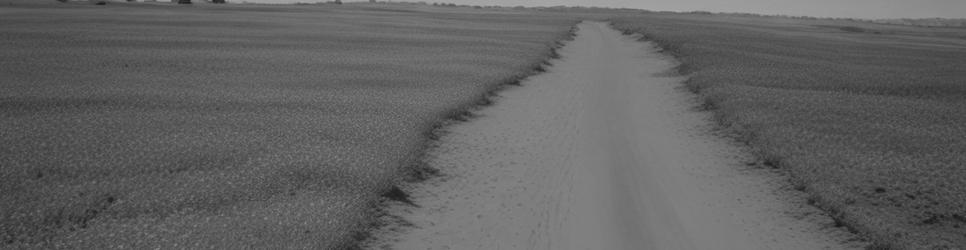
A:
x: 398, y: 195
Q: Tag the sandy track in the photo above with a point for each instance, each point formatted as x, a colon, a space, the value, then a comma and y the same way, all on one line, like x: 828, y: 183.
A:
x: 601, y: 152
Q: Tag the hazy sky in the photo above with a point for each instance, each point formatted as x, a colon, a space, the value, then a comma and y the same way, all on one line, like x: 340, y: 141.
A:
x: 821, y: 8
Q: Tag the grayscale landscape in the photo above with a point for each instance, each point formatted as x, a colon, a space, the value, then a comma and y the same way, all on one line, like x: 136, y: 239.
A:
x: 395, y: 125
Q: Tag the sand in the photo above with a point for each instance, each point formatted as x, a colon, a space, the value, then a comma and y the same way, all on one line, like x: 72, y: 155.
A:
x: 604, y: 151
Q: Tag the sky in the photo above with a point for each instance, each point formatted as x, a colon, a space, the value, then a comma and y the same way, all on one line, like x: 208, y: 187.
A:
x: 870, y: 9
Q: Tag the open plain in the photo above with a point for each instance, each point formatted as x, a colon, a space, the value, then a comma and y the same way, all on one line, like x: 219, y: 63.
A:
x: 156, y: 125
x: 867, y: 118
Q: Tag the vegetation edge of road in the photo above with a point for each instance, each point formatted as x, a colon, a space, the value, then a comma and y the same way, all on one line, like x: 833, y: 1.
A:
x: 417, y: 170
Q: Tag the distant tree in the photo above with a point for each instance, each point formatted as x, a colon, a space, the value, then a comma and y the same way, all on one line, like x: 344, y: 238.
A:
x: 218, y: 1
x: 184, y: 1
x: 62, y: 1
x: 337, y: 2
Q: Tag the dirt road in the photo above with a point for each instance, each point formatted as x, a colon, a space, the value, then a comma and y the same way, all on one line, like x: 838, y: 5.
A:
x: 602, y: 152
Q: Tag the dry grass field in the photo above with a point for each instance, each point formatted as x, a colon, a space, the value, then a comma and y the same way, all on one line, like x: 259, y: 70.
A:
x: 155, y: 125
x: 868, y: 119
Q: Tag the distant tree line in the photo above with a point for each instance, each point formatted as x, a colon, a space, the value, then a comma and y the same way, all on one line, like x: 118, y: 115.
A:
x: 923, y: 22
x: 926, y: 22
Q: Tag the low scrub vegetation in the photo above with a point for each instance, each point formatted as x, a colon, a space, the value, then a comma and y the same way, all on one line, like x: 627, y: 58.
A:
x: 238, y: 126
x: 870, y: 125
